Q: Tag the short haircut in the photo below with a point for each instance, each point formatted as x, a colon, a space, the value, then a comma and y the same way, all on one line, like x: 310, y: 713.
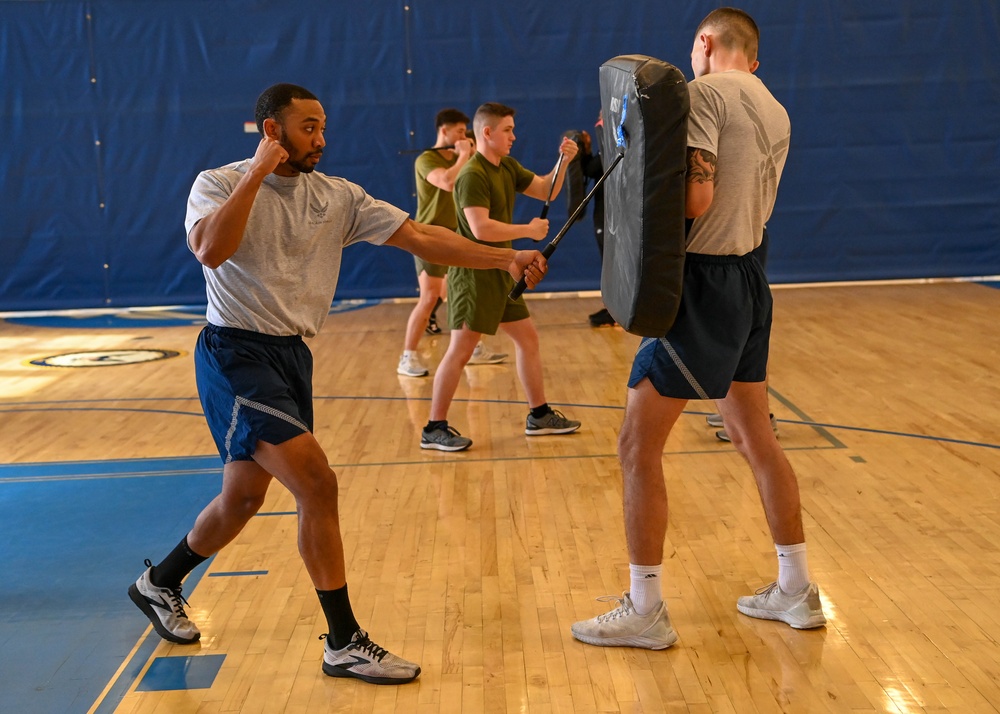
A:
x: 450, y: 116
x: 275, y: 99
x: 489, y: 114
x: 734, y: 29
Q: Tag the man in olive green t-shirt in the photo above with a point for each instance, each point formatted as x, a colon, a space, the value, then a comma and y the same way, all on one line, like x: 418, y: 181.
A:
x: 435, y: 172
x: 478, y: 303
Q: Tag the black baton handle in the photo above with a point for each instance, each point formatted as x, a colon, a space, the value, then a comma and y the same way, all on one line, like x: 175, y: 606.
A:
x: 429, y: 148
x: 522, y: 284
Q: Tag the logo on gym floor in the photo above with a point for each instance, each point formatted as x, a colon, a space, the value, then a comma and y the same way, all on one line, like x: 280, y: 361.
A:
x: 103, y: 358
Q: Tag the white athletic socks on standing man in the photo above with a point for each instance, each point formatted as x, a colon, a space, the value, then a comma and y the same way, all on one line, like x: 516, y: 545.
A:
x: 793, y: 568
x: 645, y: 590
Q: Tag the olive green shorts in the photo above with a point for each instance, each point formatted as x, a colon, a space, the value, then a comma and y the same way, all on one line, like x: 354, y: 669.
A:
x: 432, y: 269
x: 478, y: 299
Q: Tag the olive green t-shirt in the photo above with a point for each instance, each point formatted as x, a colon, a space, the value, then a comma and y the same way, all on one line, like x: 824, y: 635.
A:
x: 481, y: 184
x: 434, y: 206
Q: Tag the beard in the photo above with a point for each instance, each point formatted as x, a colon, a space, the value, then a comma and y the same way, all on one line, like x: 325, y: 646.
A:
x: 299, y: 163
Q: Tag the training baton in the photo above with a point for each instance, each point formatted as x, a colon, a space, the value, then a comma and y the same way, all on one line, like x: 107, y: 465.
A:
x: 522, y: 284
x: 429, y: 148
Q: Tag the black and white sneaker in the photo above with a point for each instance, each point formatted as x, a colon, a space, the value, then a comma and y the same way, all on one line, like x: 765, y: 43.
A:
x: 365, y: 660
x: 165, y: 609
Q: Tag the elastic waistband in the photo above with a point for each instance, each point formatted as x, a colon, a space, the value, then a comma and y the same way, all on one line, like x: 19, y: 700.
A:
x: 717, y: 259
x: 253, y: 336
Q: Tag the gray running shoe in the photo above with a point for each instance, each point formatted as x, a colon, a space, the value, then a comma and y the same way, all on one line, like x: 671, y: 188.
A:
x: 722, y: 435
x: 714, y: 420
x: 552, y: 423
x: 165, y: 609
x: 802, y: 610
x: 482, y: 355
x: 365, y: 660
x: 447, y: 439
x: 624, y: 627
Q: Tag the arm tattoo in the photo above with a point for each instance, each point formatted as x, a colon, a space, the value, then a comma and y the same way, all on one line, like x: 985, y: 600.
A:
x: 701, y: 166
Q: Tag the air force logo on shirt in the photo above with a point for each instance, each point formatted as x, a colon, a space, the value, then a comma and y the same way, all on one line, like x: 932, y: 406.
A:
x: 319, y: 211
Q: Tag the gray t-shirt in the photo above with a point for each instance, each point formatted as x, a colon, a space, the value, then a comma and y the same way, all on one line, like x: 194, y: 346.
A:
x: 734, y: 116
x: 282, y: 278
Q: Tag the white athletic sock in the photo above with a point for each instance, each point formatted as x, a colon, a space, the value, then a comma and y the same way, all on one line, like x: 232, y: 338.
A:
x: 645, y: 589
x: 409, y: 353
x: 793, y: 568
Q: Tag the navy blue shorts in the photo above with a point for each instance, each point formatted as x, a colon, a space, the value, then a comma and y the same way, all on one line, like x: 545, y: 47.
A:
x: 253, y: 387
x: 721, y: 334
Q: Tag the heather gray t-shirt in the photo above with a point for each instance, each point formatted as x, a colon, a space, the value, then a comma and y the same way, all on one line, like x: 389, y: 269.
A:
x: 734, y: 116
x: 282, y: 278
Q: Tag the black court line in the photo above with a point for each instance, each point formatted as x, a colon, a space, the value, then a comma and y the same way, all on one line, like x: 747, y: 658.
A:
x: 823, y: 429
x: 806, y: 419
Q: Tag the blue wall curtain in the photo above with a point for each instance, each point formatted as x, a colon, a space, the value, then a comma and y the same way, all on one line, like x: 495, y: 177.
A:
x: 110, y: 108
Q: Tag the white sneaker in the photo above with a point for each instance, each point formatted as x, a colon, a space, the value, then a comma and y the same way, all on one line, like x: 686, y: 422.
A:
x: 411, y: 367
x: 482, y: 355
x: 802, y: 610
x: 624, y: 627
x: 365, y: 660
x: 164, y: 608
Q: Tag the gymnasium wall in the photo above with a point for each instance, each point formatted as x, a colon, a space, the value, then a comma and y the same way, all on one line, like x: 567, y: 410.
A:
x: 110, y: 108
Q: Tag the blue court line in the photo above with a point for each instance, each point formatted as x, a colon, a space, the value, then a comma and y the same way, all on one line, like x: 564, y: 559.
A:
x: 99, y: 401
x: 181, y: 673
x: 121, y: 468
x: 99, y: 409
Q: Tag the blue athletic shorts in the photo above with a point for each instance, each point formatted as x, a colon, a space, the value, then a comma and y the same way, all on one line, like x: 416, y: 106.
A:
x: 721, y: 333
x: 253, y: 387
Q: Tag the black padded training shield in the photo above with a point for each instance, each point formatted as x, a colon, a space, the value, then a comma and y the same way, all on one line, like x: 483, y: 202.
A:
x: 645, y: 107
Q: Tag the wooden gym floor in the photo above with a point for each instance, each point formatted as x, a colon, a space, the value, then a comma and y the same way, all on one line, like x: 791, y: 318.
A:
x: 475, y: 564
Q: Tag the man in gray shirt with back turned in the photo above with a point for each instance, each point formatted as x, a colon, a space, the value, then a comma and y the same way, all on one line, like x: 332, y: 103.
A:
x: 717, y: 349
x: 269, y: 233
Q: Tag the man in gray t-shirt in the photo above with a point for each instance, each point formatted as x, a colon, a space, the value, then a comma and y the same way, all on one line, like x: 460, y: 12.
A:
x: 269, y: 232
x: 717, y: 348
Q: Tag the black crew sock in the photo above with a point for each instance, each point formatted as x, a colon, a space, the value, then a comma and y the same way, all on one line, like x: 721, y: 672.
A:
x: 339, y: 617
x: 172, y: 569
x: 540, y: 411
x: 432, y: 425
x: 434, y: 311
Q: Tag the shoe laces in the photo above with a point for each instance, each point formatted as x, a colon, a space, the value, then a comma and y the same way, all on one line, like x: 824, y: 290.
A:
x: 451, y: 431
x: 767, y: 589
x: 364, y: 644
x: 622, y: 610
x: 177, y: 600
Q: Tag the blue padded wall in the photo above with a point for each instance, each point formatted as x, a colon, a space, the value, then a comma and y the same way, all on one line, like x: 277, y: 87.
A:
x: 111, y: 107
